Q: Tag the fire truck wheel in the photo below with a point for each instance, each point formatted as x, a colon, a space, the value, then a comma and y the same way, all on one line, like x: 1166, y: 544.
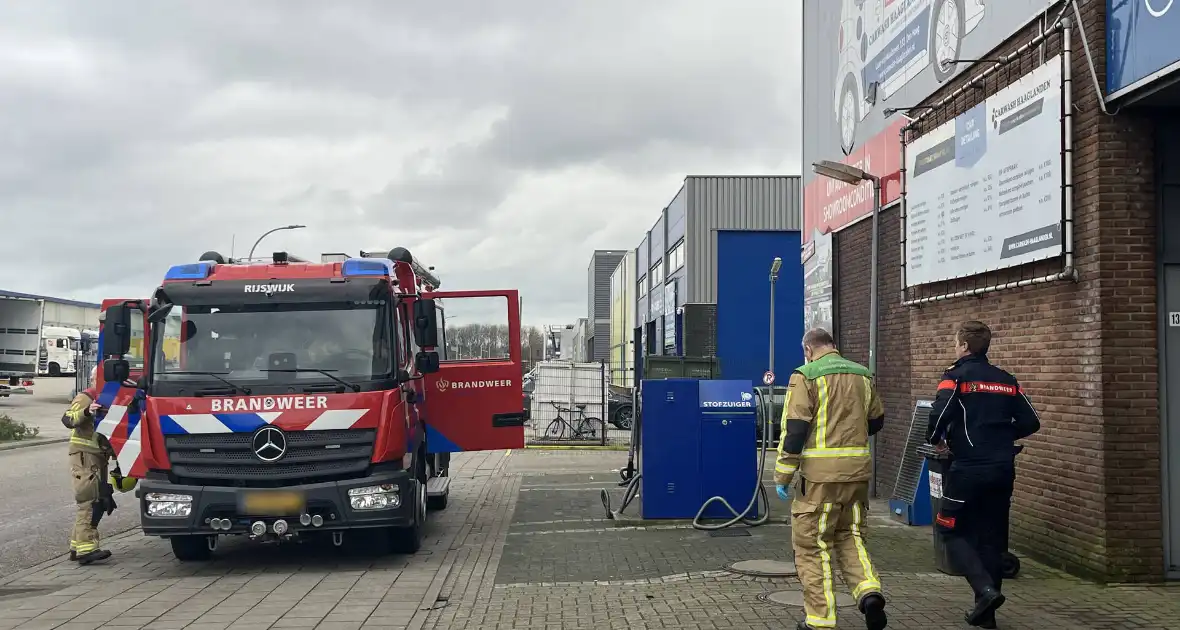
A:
x: 191, y: 548
x: 438, y: 503
x: 408, y: 540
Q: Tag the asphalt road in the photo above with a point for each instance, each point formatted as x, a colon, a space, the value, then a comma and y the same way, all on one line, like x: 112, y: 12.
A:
x: 36, y: 500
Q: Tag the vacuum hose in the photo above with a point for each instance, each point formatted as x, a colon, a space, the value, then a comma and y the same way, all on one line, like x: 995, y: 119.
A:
x: 630, y: 475
x: 759, y: 490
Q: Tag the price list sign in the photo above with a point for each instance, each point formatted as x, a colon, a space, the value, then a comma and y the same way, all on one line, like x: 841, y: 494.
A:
x: 983, y: 192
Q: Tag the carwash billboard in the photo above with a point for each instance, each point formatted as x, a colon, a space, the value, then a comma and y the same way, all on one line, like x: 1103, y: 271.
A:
x: 861, y: 57
x: 1140, y: 43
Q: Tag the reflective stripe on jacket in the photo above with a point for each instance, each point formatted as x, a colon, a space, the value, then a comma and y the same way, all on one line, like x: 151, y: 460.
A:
x: 825, y: 422
x: 84, y: 438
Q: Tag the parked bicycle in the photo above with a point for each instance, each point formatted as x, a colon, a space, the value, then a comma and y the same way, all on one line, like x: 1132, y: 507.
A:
x: 581, y: 427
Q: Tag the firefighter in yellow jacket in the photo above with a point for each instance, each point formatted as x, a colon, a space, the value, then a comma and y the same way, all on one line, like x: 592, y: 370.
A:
x: 831, y: 410
x: 90, y: 453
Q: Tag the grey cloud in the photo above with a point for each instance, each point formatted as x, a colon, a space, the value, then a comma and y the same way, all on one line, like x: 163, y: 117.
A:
x: 445, y: 188
x: 504, y: 140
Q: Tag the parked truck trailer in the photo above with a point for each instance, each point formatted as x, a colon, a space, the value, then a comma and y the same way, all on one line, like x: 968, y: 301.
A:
x: 20, y: 342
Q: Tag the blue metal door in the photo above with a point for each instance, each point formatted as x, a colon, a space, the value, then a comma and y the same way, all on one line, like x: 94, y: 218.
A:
x: 743, y: 303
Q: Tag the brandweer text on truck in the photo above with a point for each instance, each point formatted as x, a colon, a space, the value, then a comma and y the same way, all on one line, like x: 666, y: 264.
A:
x: 305, y: 399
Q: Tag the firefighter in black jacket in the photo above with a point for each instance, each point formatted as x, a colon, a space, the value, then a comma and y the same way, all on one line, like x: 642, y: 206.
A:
x: 979, y: 413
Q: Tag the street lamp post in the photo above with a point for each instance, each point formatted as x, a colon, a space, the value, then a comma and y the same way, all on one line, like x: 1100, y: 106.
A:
x: 268, y: 233
x: 775, y: 266
x: 854, y: 176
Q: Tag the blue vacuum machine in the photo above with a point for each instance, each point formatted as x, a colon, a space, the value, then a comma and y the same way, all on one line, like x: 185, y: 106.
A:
x: 699, y: 453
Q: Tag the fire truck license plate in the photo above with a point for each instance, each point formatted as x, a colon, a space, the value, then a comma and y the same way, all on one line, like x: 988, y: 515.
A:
x: 272, y: 503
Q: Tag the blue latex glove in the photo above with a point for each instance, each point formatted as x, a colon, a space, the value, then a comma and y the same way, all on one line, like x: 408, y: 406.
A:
x: 784, y: 492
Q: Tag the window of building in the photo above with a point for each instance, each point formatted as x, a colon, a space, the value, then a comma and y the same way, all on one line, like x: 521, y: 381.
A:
x: 642, y: 286
x: 657, y: 274
x: 676, y: 257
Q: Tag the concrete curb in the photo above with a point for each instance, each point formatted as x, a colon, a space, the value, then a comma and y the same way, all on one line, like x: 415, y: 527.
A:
x: 8, y: 446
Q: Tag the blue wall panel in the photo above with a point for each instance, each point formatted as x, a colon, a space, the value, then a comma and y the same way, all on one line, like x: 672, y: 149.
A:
x: 743, y: 303
x: 1140, y: 44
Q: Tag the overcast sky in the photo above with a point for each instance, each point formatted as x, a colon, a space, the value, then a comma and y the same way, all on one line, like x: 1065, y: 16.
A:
x: 501, y: 141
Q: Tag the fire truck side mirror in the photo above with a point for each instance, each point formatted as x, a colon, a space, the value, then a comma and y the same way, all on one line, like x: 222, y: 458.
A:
x: 425, y: 324
x: 116, y: 331
x: 115, y: 370
x: 426, y: 362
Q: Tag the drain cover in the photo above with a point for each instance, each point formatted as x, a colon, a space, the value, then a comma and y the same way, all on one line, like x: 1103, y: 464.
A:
x: 763, y: 568
x: 729, y: 533
x: 795, y: 598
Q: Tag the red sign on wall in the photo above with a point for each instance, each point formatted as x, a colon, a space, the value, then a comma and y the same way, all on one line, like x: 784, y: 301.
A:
x: 830, y: 205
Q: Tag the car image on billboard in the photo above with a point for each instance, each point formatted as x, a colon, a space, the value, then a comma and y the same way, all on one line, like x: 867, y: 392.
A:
x: 889, y: 42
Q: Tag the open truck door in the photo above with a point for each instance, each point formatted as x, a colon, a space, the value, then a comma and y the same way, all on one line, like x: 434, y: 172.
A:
x: 473, y: 392
x: 120, y: 423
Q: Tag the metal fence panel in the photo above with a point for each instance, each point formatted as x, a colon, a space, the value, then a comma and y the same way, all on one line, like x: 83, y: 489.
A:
x: 85, y: 360
x: 569, y: 404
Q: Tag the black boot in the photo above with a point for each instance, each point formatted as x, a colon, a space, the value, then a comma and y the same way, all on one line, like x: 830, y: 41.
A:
x: 873, y: 608
x: 73, y: 555
x: 803, y: 626
x: 93, y: 556
x: 985, y: 607
x: 988, y: 622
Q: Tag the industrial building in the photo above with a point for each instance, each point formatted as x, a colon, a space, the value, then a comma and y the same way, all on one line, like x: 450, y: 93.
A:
x: 62, y: 312
x: 581, y: 342
x: 602, y: 265
x: 1064, y: 237
x: 622, y: 322
x: 702, y: 274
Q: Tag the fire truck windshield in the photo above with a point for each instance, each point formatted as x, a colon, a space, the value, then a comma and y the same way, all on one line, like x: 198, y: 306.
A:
x: 308, y: 343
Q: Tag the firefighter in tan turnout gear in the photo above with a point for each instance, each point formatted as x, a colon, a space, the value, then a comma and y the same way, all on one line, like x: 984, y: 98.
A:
x: 831, y: 410
x: 90, y: 453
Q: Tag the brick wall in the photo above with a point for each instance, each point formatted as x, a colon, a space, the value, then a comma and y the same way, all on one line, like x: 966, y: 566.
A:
x: 1088, y: 495
x: 851, y: 249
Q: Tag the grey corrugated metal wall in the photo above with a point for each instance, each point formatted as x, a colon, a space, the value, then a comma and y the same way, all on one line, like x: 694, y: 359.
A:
x: 733, y: 203
x: 61, y: 311
x: 602, y: 265
x: 71, y: 316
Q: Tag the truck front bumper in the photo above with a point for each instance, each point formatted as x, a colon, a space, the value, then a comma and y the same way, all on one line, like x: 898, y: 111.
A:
x: 163, y: 513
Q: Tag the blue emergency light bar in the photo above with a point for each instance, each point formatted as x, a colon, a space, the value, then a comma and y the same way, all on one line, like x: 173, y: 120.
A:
x: 192, y: 271
x: 366, y: 267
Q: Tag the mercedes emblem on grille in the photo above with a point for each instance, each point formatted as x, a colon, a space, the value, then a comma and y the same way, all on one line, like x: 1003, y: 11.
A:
x: 269, y: 444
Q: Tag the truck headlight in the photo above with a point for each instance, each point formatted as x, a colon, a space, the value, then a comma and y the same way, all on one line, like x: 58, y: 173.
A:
x: 382, y: 497
x: 167, y: 505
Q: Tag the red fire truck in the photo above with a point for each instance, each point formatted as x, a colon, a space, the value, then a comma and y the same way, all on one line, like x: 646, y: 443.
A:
x: 301, y: 399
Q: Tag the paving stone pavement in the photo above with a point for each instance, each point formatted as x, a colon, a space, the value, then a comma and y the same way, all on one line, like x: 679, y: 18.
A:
x: 524, y: 544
